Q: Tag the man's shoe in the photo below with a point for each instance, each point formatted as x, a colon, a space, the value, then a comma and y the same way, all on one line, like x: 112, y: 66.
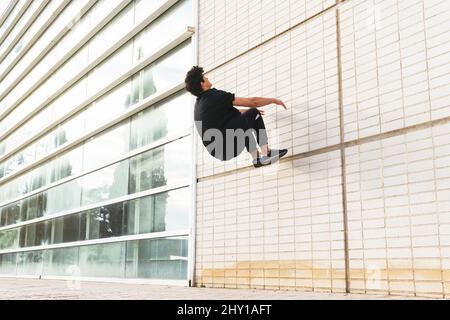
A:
x: 273, y: 157
x: 280, y: 153
x: 258, y: 163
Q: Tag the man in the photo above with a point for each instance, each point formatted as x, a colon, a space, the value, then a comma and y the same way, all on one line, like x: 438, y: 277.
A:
x: 225, y: 130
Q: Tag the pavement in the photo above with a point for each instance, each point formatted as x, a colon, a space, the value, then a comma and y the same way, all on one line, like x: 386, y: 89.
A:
x: 30, y: 289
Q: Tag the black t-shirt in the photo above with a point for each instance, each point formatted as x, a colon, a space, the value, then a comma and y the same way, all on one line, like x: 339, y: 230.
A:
x: 213, y: 109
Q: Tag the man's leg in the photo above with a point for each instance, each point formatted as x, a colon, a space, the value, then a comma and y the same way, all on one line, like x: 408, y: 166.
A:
x: 255, y: 121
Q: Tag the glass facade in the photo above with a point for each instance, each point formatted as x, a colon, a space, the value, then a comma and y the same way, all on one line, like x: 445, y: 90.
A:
x: 91, y: 183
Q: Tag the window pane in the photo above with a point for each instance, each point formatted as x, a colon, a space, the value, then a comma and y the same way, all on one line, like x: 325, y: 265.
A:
x: 145, y: 7
x: 158, y: 121
x: 10, y: 214
x: 8, y: 264
x: 43, y: 233
x: 9, y: 239
x: 64, y: 197
x: 172, y: 210
x: 111, y: 69
x: 107, y: 147
x: 106, y: 222
x: 157, y: 259
x: 32, y: 207
x: 61, y: 262
x: 109, y: 106
x: 166, y: 27
x: 74, y: 227
x: 162, y: 212
x: 109, y: 183
x: 30, y: 236
x: 69, y: 164
x: 30, y: 263
x: 161, y: 167
x: 167, y: 71
x: 105, y: 261
x: 39, y: 177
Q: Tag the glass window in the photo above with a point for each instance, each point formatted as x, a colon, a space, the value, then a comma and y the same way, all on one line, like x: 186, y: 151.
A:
x: 105, y: 184
x: 39, y: 177
x: 141, y: 215
x: 66, y: 165
x: 30, y: 235
x: 165, y: 28
x: 32, y: 207
x: 70, y: 130
x: 144, y: 7
x: 63, y: 197
x: 44, y: 145
x: 107, y: 147
x: 167, y: 71
x: 161, y: 167
x: 106, y: 222
x: 105, y: 261
x: 157, y: 213
x: 74, y: 228
x: 121, y: 25
x: 171, y: 256
x: 43, y: 233
x: 109, y: 106
x: 158, y: 121
x: 30, y: 263
x: 136, y: 86
x: 71, y: 228
x: 61, y: 262
x: 10, y: 214
x: 111, y: 69
x: 8, y: 264
x: 157, y: 259
x: 9, y: 239
x: 172, y: 210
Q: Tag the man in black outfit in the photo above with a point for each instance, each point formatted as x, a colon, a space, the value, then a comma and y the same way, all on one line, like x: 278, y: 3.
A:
x: 225, y: 130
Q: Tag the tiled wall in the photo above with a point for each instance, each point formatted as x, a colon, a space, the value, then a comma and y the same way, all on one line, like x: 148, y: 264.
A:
x: 283, y: 227
x: 398, y: 192
x: 279, y: 229
x: 395, y: 64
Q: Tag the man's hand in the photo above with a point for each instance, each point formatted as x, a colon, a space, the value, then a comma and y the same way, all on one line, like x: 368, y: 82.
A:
x: 280, y: 103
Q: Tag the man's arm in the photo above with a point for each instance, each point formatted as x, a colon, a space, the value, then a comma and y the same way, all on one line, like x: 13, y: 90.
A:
x: 257, y: 102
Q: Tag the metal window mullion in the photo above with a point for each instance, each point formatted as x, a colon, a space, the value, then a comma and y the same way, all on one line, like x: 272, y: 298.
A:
x: 20, y: 34
x: 34, y: 39
x: 14, y: 21
x: 7, y: 11
x: 138, y: 281
x: 193, y: 204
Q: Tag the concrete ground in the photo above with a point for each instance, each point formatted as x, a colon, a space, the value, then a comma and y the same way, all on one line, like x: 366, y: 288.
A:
x: 27, y: 289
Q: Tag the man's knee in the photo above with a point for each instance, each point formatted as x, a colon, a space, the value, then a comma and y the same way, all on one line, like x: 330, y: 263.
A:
x: 253, y: 114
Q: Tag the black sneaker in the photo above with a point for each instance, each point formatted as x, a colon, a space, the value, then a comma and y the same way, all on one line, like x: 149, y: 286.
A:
x: 280, y: 153
x: 273, y: 157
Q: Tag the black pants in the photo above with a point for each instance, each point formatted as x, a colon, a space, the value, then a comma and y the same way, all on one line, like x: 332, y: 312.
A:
x: 252, y: 124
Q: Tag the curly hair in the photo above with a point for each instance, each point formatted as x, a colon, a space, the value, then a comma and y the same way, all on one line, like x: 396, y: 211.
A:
x: 193, y: 81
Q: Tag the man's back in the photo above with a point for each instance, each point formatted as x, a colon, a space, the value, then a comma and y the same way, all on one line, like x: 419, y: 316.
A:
x: 214, y: 109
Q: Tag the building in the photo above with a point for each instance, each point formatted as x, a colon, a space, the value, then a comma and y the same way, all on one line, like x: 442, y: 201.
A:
x: 92, y: 185
x: 360, y: 205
